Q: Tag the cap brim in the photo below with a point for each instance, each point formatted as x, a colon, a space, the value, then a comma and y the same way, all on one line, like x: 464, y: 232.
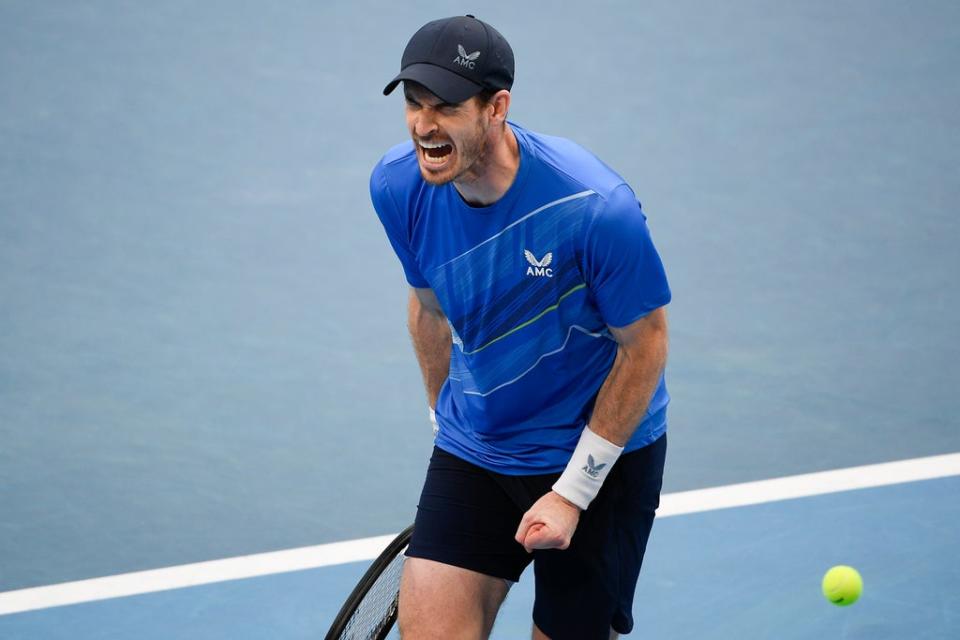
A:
x: 443, y: 83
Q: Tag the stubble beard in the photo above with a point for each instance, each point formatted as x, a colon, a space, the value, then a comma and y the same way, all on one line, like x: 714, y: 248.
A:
x: 471, y: 160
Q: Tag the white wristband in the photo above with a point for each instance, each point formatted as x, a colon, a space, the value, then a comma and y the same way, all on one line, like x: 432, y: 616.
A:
x: 588, y: 468
x: 433, y: 421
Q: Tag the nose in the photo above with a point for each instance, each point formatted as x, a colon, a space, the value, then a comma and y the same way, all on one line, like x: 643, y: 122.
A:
x: 424, y: 125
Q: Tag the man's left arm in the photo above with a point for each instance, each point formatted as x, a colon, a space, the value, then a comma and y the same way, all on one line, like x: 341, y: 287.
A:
x: 621, y: 402
x: 633, y: 379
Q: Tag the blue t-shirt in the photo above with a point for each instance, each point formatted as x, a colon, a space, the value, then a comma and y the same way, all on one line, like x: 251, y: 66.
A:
x: 529, y: 286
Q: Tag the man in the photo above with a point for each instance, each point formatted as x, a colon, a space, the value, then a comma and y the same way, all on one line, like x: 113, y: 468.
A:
x: 536, y: 312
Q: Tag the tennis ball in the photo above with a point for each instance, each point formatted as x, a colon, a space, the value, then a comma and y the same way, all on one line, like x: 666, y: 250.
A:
x: 842, y: 585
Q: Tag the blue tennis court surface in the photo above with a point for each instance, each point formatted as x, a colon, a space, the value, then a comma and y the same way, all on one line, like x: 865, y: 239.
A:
x: 735, y: 573
x: 203, y: 350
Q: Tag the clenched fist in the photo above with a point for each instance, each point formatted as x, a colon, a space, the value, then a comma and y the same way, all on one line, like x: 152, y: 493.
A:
x: 549, y: 523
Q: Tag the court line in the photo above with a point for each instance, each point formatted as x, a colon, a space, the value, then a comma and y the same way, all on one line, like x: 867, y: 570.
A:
x: 673, y: 504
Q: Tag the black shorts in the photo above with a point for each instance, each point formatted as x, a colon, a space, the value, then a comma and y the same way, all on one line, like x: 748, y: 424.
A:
x: 468, y: 516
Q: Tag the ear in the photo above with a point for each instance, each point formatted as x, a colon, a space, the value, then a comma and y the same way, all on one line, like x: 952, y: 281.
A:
x: 501, y: 105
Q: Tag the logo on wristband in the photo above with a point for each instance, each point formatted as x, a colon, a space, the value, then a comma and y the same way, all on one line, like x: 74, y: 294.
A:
x: 593, y: 469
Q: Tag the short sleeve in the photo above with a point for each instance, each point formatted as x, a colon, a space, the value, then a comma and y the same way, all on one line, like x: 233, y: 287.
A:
x: 394, y: 223
x: 623, y: 269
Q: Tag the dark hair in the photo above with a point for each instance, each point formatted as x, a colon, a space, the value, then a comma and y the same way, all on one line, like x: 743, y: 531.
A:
x: 486, y: 95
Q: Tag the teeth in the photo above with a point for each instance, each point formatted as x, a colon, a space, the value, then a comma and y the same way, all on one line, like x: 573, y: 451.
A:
x: 435, y: 161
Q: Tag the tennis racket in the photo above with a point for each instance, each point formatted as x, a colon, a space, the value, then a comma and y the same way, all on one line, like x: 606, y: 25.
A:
x: 371, y: 609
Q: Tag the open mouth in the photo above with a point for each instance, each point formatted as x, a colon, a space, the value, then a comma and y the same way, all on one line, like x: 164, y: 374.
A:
x: 435, y: 153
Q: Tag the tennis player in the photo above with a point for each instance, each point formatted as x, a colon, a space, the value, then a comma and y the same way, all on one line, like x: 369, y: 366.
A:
x: 537, y: 316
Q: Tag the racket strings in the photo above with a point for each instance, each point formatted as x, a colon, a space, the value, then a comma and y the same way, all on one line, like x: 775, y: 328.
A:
x: 375, y: 614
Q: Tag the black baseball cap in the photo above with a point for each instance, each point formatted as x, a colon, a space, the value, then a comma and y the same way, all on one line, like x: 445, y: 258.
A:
x: 456, y: 58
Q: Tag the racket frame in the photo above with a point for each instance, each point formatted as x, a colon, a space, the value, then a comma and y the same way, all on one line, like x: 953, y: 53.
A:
x: 364, y: 585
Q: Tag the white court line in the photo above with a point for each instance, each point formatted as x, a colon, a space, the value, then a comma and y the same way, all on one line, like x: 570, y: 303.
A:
x: 672, y: 504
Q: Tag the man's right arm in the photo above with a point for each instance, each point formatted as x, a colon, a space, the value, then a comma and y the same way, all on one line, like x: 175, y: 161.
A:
x: 431, y: 340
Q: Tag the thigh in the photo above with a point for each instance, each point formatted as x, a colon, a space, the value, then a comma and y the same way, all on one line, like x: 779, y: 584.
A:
x: 466, y: 520
x: 462, y: 557
x: 584, y: 591
x: 441, y: 601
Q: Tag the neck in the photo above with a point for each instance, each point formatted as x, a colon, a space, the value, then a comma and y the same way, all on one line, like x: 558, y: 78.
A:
x: 488, y: 183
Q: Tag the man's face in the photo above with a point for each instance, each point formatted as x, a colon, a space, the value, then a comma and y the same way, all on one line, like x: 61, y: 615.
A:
x: 450, y: 139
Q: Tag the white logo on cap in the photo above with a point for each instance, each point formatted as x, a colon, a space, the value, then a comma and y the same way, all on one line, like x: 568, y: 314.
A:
x: 466, y: 59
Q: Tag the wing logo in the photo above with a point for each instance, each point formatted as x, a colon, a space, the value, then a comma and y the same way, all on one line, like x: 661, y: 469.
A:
x: 593, y: 469
x: 539, y: 268
x: 464, y: 59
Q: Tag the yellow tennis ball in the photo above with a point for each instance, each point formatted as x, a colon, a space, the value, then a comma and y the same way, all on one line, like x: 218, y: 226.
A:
x: 842, y: 585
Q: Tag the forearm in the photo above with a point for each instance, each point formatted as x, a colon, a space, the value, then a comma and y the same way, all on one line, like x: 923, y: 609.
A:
x: 621, y: 402
x: 431, y: 343
x: 631, y: 383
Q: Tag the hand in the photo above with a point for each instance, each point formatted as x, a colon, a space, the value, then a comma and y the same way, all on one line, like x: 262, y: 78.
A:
x: 548, y: 524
